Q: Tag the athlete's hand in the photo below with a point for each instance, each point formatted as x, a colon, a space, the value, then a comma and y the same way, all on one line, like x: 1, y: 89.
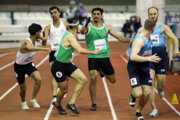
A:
x: 96, y: 52
x: 177, y: 54
x: 154, y: 58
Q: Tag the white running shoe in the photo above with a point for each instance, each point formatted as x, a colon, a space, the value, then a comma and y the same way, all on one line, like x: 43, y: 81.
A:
x: 154, y: 113
x: 35, y: 104
x: 161, y: 93
x: 24, y: 106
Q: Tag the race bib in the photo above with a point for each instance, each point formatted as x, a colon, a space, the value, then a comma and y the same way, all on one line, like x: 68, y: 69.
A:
x: 100, y: 44
x: 155, y: 40
x: 133, y: 81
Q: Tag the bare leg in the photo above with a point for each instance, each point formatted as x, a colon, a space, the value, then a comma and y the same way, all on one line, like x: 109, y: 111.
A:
x: 22, y: 92
x: 64, y: 89
x: 54, y: 84
x: 152, y: 93
x: 81, y: 81
x: 144, y: 98
x: 37, y: 83
x: 161, y: 80
x: 111, y: 78
x: 92, y: 85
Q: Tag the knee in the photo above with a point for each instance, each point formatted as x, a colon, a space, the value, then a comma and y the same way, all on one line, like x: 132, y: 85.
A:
x: 83, y: 81
x: 137, y: 94
x: 93, y: 79
x: 38, y: 81
x: 65, y: 90
x: 147, y: 92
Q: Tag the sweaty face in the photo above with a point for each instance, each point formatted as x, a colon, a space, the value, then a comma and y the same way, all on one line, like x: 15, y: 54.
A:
x: 55, y: 14
x: 96, y: 16
x: 153, y: 14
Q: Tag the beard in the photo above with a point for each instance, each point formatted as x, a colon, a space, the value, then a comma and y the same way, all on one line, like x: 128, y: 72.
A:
x: 156, y: 19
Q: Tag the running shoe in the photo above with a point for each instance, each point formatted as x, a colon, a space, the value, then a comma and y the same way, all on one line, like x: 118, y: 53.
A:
x: 161, y: 93
x: 73, y: 108
x: 139, y: 116
x: 93, y: 107
x: 24, y: 106
x: 154, y: 113
x: 60, y: 109
x: 35, y: 104
x: 132, y: 101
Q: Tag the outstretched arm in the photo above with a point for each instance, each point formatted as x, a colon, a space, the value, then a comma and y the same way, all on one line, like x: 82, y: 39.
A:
x: 27, y: 45
x: 116, y: 35
x: 73, y: 42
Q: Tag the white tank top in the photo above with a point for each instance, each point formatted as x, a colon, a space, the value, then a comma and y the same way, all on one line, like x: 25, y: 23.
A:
x: 55, y: 35
x: 25, y: 58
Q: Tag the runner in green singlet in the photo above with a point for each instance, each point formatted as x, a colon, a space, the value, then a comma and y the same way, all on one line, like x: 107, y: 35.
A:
x: 97, y: 38
x: 63, y: 67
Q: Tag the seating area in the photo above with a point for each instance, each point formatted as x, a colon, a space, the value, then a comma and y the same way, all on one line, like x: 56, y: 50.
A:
x: 18, y: 30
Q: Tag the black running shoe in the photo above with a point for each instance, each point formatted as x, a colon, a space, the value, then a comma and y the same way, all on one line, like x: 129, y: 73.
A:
x: 139, y: 116
x: 93, y: 107
x: 61, y: 110
x: 73, y: 108
x: 132, y: 101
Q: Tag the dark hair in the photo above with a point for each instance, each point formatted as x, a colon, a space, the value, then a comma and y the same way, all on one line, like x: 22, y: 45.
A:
x: 97, y: 9
x: 149, y: 24
x: 54, y: 7
x: 33, y: 28
x: 152, y: 7
x: 71, y: 21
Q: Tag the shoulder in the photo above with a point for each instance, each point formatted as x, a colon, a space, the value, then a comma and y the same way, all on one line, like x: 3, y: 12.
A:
x: 70, y: 37
x: 165, y: 27
x: 25, y: 43
x: 138, y: 42
x: 108, y: 27
x: 47, y: 27
x: 66, y: 24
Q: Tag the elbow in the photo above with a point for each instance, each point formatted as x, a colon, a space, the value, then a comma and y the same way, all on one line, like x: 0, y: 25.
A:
x: 133, y: 58
x: 79, y: 51
x: 28, y: 48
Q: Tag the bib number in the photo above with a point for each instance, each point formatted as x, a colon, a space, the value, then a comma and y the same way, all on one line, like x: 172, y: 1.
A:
x: 100, y: 44
x: 155, y: 40
x: 133, y: 81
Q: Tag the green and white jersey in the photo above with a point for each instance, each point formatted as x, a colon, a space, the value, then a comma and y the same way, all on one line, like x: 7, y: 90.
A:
x: 97, y: 38
x: 64, y: 55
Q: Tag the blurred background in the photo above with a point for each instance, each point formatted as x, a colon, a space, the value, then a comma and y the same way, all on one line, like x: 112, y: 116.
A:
x: 123, y: 15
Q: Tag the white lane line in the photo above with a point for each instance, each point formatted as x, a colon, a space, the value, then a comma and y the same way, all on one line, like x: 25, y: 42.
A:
x: 109, y: 99
x: 165, y: 100
x: 124, y: 59
x: 14, y: 86
x: 51, y: 108
x: 2, y: 55
x: 171, y: 106
x: 5, y: 66
x: 49, y: 112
